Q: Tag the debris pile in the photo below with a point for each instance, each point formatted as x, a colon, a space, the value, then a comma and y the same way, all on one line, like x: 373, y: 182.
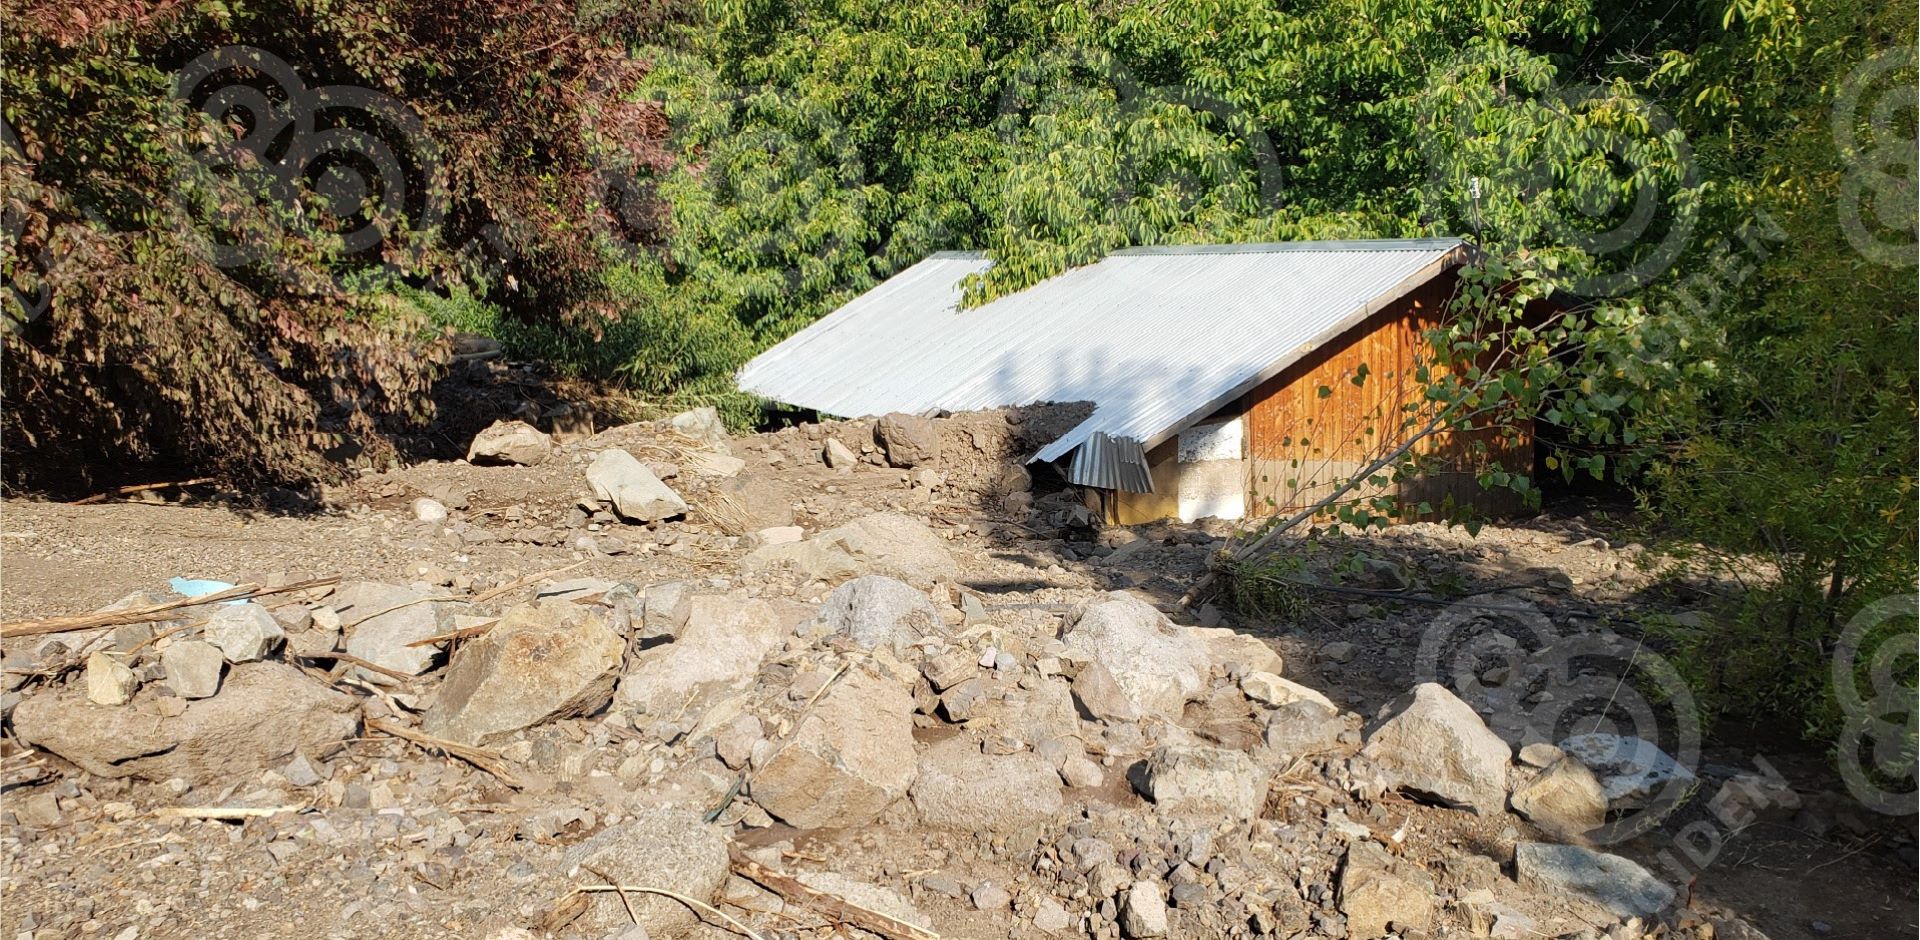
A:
x: 829, y: 729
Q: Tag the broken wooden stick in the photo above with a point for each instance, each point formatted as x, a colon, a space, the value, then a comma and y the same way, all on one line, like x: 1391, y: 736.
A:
x: 141, y: 488
x: 464, y: 633
x: 531, y: 579
x: 482, y: 758
x: 353, y: 660
x: 111, y: 618
x: 698, y: 906
x: 833, y: 908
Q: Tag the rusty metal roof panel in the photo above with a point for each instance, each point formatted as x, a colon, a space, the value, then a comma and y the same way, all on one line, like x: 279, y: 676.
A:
x: 1156, y: 338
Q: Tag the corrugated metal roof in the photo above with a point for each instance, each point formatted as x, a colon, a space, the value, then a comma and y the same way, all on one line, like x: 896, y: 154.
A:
x: 1156, y: 338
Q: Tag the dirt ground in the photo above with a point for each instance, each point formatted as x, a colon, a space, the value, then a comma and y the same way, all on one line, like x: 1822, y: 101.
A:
x: 408, y: 844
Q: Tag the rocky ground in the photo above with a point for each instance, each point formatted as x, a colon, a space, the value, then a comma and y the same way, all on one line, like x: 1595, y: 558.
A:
x: 856, y: 679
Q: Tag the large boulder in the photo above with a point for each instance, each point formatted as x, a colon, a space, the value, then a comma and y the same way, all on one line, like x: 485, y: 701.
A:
x: 386, y: 619
x: 553, y: 659
x: 1620, y: 885
x: 1435, y: 745
x: 720, y: 644
x: 847, y: 760
x: 264, y: 713
x: 879, y: 611
x: 635, y: 493
x: 660, y: 847
x: 1158, y: 667
x: 888, y: 543
x: 960, y: 787
x: 909, y: 440
x: 1205, y: 781
x: 510, y: 442
x: 1382, y: 895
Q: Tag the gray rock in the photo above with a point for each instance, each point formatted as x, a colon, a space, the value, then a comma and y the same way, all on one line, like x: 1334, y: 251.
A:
x: 1158, y: 667
x: 1143, y: 912
x: 510, y: 442
x: 265, y: 712
x: 390, y: 617
x: 1205, y: 781
x: 960, y: 787
x: 193, y: 668
x: 243, y: 632
x: 721, y: 643
x: 1435, y: 745
x: 909, y: 440
x: 1050, y: 917
x: 661, y: 847
x: 666, y: 609
x: 634, y: 492
x: 301, y: 773
x: 1380, y: 894
x: 1617, y: 884
x: 552, y: 659
x: 879, y: 611
x: 1565, y: 800
x: 988, y: 896
x: 109, y: 681
x: 847, y: 760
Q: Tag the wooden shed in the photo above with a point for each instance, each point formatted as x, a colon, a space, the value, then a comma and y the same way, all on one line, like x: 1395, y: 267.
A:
x: 1227, y: 380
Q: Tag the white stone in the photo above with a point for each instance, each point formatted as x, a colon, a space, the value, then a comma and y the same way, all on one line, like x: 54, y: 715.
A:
x: 634, y: 492
x: 109, y: 681
x: 1143, y: 912
x: 1269, y: 689
x: 428, y: 509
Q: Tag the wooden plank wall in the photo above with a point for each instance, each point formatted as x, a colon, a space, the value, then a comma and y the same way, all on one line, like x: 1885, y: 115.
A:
x: 1302, y: 443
